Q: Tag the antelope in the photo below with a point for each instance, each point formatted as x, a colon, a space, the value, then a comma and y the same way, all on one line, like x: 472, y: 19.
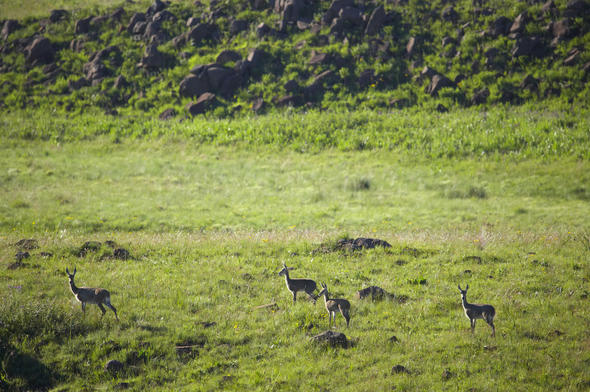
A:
x: 91, y: 295
x: 474, y: 311
x: 335, y: 304
x: 294, y: 285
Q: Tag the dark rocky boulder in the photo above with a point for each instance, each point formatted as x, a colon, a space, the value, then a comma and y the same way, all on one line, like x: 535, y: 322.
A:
x: 376, y: 20
x: 262, y: 30
x: 194, y: 85
x: 333, y: 339
x: 193, y: 21
x: 121, y: 254
x: 529, y: 46
x: 367, y: 78
x: 335, y: 7
x: 76, y: 84
x: 372, y: 292
x: 223, y: 80
x: 449, y: 14
x: 351, y: 15
x: 120, y: 82
x: 562, y: 30
x: 27, y: 244
x: 205, y: 102
x: 292, y: 86
x: 500, y: 26
x: 152, y: 57
x: 258, y: 105
x: 438, y: 82
x: 572, y: 57
x: 577, y: 8
x: 39, y: 51
x: 202, y: 32
x: 76, y: 45
x: 167, y: 114
x: 82, y: 26
x: 135, y: 19
x: 89, y: 246
x: 113, y: 366
x: 156, y: 7
x: 411, y: 46
x: 57, y: 15
x: 10, y: 26
x: 237, y: 26
x: 162, y: 16
x: 519, y: 23
x: 228, y: 56
x: 480, y: 96
x: 530, y: 83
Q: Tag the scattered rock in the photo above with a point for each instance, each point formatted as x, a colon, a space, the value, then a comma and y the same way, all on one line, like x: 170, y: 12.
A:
x: 167, y: 114
x: 438, y: 82
x: 82, y: 26
x: 15, y: 265
x: 480, y: 96
x: 447, y: 374
x: 376, y: 20
x: 334, y: 339
x: 258, y: 105
x: 441, y: 108
x: 500, y: 26
x: 10, y: 26
x: 227, y: 56
x: 397, y: 369
x: 519, y: 23
x: 46, y: 254
x: 121, y: 254
x: 152, y: 57
x: 393, y: 339
x: 527, y: 46
x: 57, y: 15
x: 194, y: 85
x: 89, y: 246
x: 410, y: 46
x: 262, y: 30
x: 375, y: 292
x: 572, y: 57
x: 122, y: 385
x: 205, y: 102
x: 113, y: 366
x: 39, y: 51
x: 20, y: 256
x: 27, y: 244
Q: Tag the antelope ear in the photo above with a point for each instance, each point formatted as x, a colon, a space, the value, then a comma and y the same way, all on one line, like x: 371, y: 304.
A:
x: 467, y: 288
x: 67, y: 272
x: 290, y: 268
x: 74, y: 270
x: 459, y: 286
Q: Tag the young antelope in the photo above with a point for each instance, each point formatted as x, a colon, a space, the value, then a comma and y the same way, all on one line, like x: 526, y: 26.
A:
x: 294, y: 285
x: 335, y: 304
x: 474, y: 312
x: 91, y: 295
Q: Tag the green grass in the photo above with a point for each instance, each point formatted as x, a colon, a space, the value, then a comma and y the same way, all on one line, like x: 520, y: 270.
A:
x: 208, y: 227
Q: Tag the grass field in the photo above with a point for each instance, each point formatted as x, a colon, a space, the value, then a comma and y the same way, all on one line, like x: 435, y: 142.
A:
x: 208, y: 227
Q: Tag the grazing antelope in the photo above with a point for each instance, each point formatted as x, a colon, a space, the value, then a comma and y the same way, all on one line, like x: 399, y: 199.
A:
x: 474, y: 312
x: 294, y: 285
x: 335, y: 304
x: 91, y: 295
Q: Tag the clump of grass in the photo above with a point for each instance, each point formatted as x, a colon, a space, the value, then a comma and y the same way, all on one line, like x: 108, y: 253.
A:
x: 358, y: 184
x: 27, y: 318
x: 473, y: 192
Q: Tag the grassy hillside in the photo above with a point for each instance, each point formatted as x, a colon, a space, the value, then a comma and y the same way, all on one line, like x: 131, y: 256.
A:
x: 207, y: 229
x: 138, y: 57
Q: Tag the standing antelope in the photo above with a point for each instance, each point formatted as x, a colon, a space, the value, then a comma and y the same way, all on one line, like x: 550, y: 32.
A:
x: 91, y: 295
x: 474, y: 312
x: 335, y: 304
x: 294, y: 285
